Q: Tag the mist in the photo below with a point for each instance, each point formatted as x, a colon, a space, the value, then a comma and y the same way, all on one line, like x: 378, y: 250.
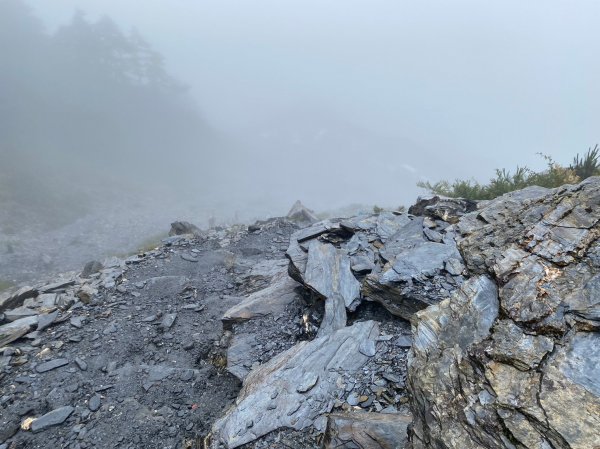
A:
x: 117, y: 117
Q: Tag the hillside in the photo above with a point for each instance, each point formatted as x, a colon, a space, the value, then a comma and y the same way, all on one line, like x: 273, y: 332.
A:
x: 460, y: 324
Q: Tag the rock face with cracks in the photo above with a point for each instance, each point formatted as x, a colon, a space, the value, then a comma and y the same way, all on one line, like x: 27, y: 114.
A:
x: 512, y: 359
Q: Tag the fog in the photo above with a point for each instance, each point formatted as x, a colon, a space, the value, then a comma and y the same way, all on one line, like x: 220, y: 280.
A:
x: 191, y: 109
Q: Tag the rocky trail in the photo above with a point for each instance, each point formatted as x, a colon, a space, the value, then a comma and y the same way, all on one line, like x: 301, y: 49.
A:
x: 456, y: 325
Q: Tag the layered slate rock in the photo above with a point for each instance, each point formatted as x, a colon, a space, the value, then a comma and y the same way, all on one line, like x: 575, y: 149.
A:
x: 366, y: 430
x: 402, y: 261
x: 512, y: 359
x: 295, y: 387
x: 328, y: 273
x: 16, y: 299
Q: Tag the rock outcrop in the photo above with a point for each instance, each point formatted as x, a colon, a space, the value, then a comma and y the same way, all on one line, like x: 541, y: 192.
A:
x: 402, y: 261
x: 512, y: 359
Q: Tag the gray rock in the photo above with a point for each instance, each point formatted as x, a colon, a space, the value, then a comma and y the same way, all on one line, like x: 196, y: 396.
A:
x: 158, y: 373
x: 83, y: 366
x: 15, y: 330
x: 46, y: 320
x: 367, y: 430
x: 353, y: 399
x: 454, y: 266
x: 184, y: 228
x: 18, y: 313
x: 528, y: 366
x: 53, y: 418
x: 86, y: 293
x: 415, y: 276
x: 48, y: 301
x: 269, y: 396
x: 59, y: 286
x: 403, y: 341
x: 510, y: 345
x: 335, y: 315
x: 168, y: 320
x: 10, y: 301
x: 94, y: 403
x: 269, y: 301
x: 301, y: 215
x: 328, y: 272
x: 240, y: 356
x: 91, y: 268
x: 307, y: 382
x: 433, y: 236
x: 443, y: 208
x: 189, y: 258
x: 52, y: 364
x: 76, y: 321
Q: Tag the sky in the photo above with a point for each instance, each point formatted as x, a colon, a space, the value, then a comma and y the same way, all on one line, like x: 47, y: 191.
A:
x: 429, y: 89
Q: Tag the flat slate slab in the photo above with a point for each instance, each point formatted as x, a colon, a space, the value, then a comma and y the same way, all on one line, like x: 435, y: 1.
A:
x: 328, y: 272
x: 52, y: 364
x: 295, y: 387
x: 53, y: 418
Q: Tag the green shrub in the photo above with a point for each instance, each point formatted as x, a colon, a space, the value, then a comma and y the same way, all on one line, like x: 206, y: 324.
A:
x: 588, y: 165
x: 505, y: 181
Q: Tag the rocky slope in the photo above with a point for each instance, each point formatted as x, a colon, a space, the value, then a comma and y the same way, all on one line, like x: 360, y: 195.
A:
x: 279, y: 336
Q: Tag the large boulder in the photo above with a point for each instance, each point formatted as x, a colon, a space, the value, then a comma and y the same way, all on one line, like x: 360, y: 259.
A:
x: 512, y: 359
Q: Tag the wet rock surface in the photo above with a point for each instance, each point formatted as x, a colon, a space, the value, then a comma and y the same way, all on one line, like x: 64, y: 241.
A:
x: 521, y: 337
x: 389, y: 257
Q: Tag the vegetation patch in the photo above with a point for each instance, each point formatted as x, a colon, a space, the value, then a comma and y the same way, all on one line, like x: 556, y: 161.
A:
x: 506, y: 181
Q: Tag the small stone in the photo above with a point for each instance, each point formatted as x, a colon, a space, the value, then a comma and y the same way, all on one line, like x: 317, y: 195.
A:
x: 353, y: 399
x: 168, y: 320
x: 403, y: 341
x: 94, y: 403
x: 368, y: 401
x: 76, y: 321
x: 189, y: 258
